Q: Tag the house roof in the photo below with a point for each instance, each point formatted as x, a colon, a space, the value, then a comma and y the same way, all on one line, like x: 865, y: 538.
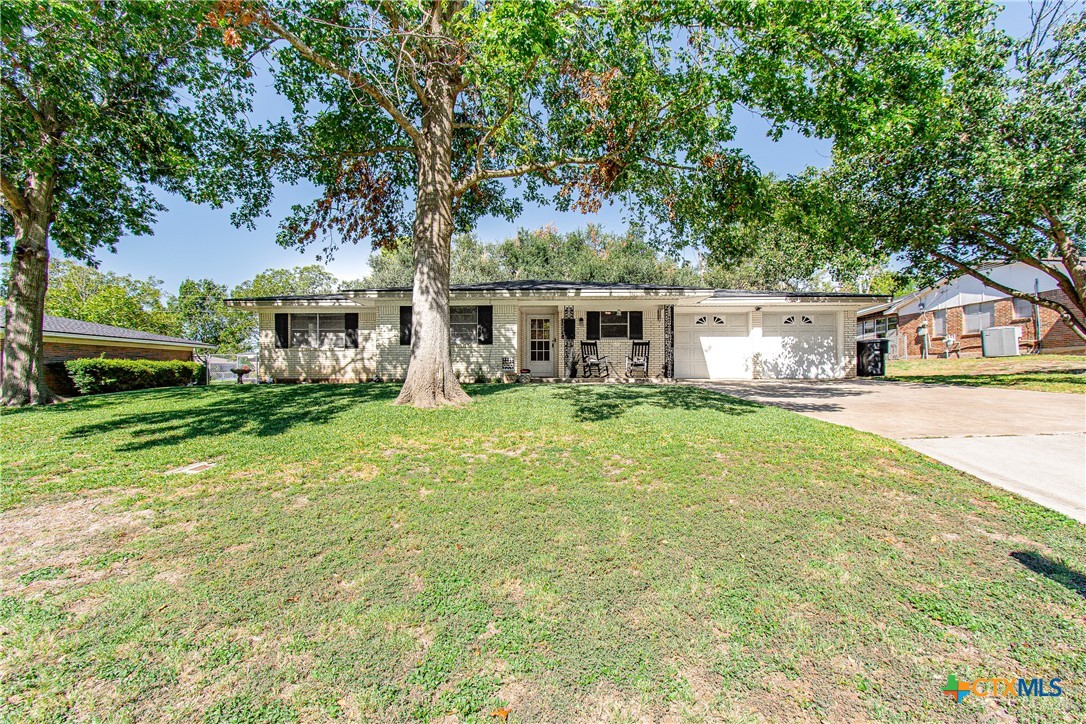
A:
x: 542, y: 286
x: 64, y: 327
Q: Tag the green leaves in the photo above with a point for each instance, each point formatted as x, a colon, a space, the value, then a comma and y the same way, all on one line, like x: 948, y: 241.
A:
x: 114, y: 100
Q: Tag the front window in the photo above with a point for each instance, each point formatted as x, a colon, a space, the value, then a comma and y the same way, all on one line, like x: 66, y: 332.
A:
x: 310, y: 331
x: 464, y: 322
x: 614, y: 325
x: 979, y: 317
x: 1023, y: 308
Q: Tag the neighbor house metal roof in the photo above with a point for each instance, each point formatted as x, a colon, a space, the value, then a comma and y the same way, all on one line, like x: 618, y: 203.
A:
x: 62, y: 326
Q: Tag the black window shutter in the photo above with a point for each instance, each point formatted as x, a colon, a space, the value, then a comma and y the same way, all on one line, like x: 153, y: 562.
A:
x: 350, y: 323
x: 486, y: 324
x: 282, y: 330
x: 569, y: 328
x: 593, y: 331
x: 637, y: 326
x: 405, y: 325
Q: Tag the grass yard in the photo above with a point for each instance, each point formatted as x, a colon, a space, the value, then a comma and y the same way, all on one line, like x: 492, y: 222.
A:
x: 573, y: 553
x: 1047, y: 373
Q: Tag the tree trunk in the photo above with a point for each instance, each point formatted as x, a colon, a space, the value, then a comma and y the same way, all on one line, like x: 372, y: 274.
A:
x: 430, y: 379
x: 24, y: 348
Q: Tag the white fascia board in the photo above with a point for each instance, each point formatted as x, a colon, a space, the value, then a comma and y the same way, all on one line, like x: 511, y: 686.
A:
x: 61, y: 337
x: 770, y: 302
x: 258, y: 304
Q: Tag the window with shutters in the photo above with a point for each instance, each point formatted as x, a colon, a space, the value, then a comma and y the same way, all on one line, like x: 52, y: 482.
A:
x: 614, y: 325
x: 311, y: 331
x: 464, y: 322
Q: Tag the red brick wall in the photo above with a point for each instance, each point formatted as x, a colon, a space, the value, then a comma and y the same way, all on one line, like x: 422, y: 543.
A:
x: 56, y: 352
x: 1055, y: 334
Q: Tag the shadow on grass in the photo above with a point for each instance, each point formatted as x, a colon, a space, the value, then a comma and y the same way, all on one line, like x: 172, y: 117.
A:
x: 1056, y: 571
x: 258, y: 410
x: 1012, y: 379
x: 593, y: 403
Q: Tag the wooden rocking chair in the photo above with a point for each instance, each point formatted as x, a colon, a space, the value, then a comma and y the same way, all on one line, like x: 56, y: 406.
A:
x: 638, y: 359
x: 590, y: 359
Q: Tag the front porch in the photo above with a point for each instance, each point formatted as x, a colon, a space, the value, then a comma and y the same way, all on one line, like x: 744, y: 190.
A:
x: 550, y: 340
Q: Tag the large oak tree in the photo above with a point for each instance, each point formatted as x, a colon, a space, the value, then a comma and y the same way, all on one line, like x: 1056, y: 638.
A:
x: 101, y: 103
x: 410, y: 116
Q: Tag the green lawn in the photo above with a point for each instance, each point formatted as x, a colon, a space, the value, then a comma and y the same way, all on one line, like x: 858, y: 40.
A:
x: 1047, y: 373
x: 582, y: 552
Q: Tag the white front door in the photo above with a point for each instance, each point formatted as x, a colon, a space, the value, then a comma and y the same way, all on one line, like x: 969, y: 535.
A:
x: 541, y: 345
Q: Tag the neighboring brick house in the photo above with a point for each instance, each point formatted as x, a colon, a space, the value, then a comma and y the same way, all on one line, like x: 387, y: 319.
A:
x: 540, y: 325
x: 960, y: 309
x: 67, y: 339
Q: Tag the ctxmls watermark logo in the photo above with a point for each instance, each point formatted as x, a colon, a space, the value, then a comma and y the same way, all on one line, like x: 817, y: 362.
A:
x: 999, y: 687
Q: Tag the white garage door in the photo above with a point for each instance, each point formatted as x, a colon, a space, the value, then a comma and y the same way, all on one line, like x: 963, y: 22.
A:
x: 800, y: 345
x: 714, y: 346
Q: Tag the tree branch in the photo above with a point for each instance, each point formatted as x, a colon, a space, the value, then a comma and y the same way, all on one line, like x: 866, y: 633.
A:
x: 17, y: 203
x: 484, y: 175
x: 1076, y: 323
x: 39, y: 118
x: 1066, y: 282
x: 350, y: 76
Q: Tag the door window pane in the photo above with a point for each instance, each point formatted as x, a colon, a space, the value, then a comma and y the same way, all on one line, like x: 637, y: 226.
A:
x: 539, y: 340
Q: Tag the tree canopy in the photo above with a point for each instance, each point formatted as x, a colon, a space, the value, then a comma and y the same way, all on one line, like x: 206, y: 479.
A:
x: 408, y: 117
x: 993, y: 170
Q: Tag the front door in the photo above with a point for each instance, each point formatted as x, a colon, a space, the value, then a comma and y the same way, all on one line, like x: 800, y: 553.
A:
x: 541, y: 346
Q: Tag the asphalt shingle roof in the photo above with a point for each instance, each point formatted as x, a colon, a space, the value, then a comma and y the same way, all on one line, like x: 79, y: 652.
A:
x: 79, y: 328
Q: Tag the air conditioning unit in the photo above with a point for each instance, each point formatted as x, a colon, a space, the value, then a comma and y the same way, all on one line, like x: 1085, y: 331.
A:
x: 1000, y: 341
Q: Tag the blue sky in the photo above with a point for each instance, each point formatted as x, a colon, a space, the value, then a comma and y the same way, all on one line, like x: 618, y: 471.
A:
x: 198, y: 241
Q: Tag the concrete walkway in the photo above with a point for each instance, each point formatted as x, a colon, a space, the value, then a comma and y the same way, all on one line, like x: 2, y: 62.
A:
x: 1031, y: 443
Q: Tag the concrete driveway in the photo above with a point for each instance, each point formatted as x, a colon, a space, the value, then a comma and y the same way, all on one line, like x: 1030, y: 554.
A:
x: 1032, y: 443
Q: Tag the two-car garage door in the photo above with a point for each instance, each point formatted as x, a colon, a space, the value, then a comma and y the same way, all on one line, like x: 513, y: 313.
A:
x: 717, y: 345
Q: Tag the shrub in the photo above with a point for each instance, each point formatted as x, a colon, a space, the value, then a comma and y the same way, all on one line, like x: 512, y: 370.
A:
x: 92, y: 376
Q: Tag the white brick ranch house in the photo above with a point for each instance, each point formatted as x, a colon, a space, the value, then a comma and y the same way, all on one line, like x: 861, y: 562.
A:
x: 362, y: 334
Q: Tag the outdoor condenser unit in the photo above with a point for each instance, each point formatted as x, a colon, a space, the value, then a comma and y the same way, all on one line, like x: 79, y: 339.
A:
x: 999, y: 341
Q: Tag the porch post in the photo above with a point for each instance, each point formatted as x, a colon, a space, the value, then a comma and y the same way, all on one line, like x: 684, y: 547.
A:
x: 669, y: 341
x: 567, y: 342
